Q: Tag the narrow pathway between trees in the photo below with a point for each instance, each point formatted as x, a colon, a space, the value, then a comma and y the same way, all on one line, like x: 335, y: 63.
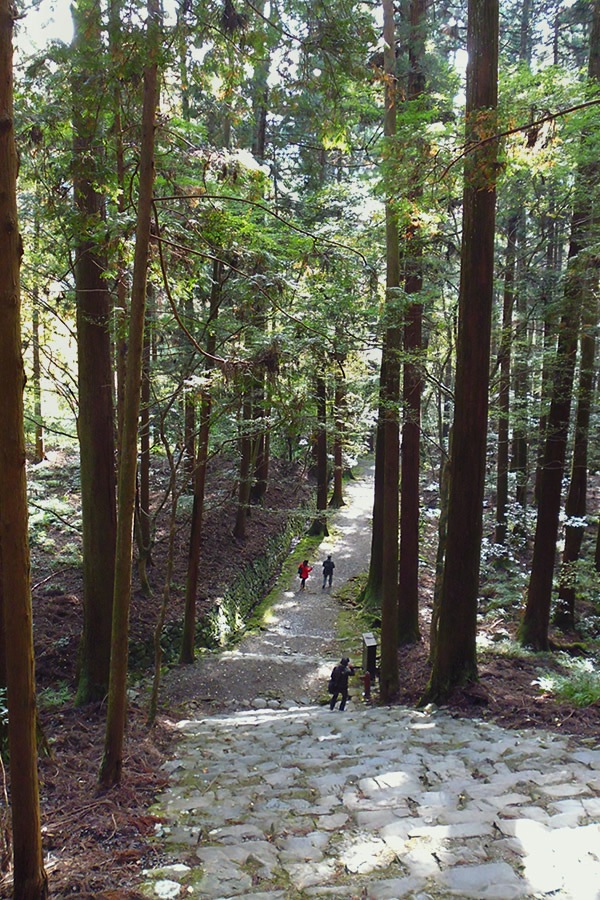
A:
x: 292, y: 657
x: 272, y: 796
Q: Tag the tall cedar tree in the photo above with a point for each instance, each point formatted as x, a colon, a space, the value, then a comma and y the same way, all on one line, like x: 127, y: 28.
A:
x: 454, y: 659
x: 504, y: 353
x: 339, y: 416
x: 372, y: 593
x: 319, y: 524
x: 552, y: 234
x: 188, y: 638
x: 95, y: 418
x: 536, y: 619
x: 247, y: 446
x: 261, y: 411
x: 390, y: 394
x: 115, y: 48
x: 112, y: 762
x: 40, y: 450
x: 29, y: 877
x: 143, y: 519
x: 412, y: 384
x: 520, y: 380
x: 576, y: 504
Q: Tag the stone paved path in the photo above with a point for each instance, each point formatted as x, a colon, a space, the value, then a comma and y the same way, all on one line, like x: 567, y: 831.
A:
x: 286, y: 800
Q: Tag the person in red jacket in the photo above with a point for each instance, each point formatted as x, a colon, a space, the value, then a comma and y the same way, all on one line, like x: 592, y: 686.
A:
x: 303, y: 572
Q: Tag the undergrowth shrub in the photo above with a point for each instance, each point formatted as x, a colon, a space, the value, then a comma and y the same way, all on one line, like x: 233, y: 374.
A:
x: 578, y: 683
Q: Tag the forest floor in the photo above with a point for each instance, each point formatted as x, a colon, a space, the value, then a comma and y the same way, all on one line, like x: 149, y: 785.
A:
x: 95, y: 842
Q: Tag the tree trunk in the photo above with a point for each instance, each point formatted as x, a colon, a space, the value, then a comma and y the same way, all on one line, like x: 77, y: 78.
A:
x: 112, y: 763
x: 575, y: 507
x: 120, y: 331
x: 441, y: 550
x: 372, y: 594
x: 549, y: 338
x: 142, y: 510
x: 189, y: 431
x: 339, y: 407
x: 525, y: 37
x: 504, y: 354
x: 390, y: 393
x: 166, y: 592
x: 319, y: 525
x: 247, y: 445
x: 534, y: 627
x: 40, y: 450
x: 260, y: 102
x: 188, y: 640
x: 408, y: 591
x: 262, y: 440
x: 533, y: 631
x: 454, y: 657
x: 520, y: 443
x: 29, y: 877
x: 96, y: 418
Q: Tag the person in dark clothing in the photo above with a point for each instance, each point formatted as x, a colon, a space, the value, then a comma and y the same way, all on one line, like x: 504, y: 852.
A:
x: 340, y: 675
x: 328, y: 567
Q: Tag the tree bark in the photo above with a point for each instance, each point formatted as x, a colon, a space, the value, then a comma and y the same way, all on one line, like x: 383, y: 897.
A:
x: 319, y: 525
x: 112, y: 763
x: 247, y: 445
x: 533, y: 631
x: 40, y: 450
x: 96, y: 419
x: 520, y: 368
x: 575, y: 507
x: 408, y: 589
x: 339, y: 408
x: 372, y: 594
x: 120, y: 338
x: 390, y: 394
x: 29, y: 877
x: 441, y: 548
x: 263, y: 445
x: 166, y: 592
x: 191, y: 587
x: 454, y: 654
x: 142, y: 510
x: 261, y: 400
x: 549, y: 337
x: 504, y: 354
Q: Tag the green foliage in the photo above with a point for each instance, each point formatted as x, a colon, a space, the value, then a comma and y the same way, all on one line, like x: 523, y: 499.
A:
x: 582, y: 575
x: 503, y: 579
x: 55, y: 514
x: 57, y: 695
x: 578, y: 684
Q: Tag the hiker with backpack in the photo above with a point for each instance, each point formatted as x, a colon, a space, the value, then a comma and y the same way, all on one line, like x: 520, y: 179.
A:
x: 304, y: 571
x: 338, y: 683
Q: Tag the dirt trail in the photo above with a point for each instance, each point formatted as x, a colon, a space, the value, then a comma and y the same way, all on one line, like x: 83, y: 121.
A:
x: 290, y: 658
